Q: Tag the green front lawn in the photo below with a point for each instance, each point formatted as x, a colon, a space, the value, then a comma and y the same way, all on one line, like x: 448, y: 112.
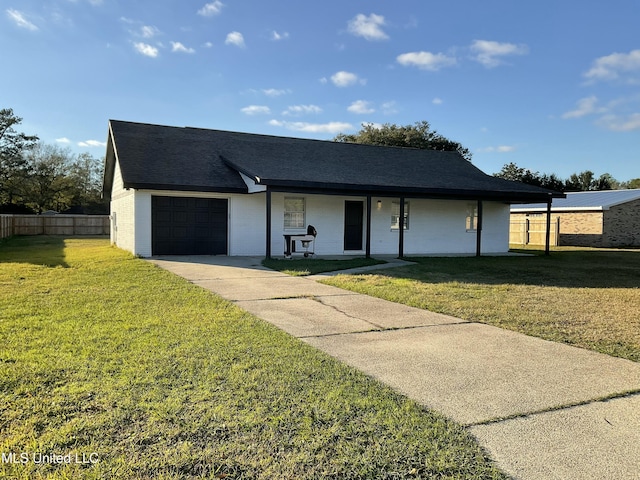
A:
x: 584, y: 297
x: 111, y: 358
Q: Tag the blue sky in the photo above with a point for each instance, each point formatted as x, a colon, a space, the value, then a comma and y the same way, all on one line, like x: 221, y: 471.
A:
x: 553, y: 86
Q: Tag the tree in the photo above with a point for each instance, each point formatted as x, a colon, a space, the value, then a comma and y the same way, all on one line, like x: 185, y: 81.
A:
x: 552, y: 182
x: 418, y: 135
x: 577, y: 182
x: 47, y: 186
x: 59, y: 180
x: 13, y: 146
x: 85, y: 174
x: 515, y: 173
x: 633, y: 183
x: 585, y: 181
x: 605, y: 182
x: 580, y: 182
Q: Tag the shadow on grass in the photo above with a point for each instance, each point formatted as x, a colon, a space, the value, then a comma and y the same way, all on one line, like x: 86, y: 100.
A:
x: 311, y: 266
x: 48, y: 250
x: 571, y: 269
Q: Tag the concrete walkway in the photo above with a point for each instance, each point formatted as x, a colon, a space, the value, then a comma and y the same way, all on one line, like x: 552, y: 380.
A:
x: 542, y: 410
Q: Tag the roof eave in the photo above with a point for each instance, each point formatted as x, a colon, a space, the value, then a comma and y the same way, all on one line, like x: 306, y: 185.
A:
x: 558, y: 209
x: 384, y: 190
x: 110, y: 160
x: 184, y: 188
x: 252, y: 175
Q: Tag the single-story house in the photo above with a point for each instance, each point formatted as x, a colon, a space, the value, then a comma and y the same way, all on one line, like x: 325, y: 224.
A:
x: 175, y: 190
x: 606, y: 218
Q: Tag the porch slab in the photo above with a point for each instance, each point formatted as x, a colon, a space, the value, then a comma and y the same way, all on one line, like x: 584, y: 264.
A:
x: 211, y: 267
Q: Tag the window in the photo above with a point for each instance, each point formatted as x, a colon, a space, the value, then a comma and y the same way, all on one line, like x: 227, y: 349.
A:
x: 472, y: 217
x: 294, y: 212
x: 395, y: 215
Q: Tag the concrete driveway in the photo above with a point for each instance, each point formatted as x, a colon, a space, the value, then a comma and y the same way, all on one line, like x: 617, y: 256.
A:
x: 543, y: 410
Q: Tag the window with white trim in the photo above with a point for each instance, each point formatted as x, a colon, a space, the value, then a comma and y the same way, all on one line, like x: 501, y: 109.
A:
x: 472, y: 217
x: 294, y: 212
x: 395, y: 215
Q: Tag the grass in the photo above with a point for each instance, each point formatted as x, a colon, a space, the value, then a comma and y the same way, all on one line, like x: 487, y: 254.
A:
x: 105, y: 354
x: 311, y: 266
x: 584, y: 297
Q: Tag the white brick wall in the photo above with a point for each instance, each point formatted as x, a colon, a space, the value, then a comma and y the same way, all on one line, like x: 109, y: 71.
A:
x: 247, y: 224
x: 435, y: 226
x: 122, y: 214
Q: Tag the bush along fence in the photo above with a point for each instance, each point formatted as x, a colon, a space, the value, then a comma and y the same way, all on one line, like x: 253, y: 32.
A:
x: 68, y: 225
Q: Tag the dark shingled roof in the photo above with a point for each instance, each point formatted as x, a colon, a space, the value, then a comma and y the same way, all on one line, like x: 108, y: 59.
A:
x: 170, y: 158
x: 192, y: 159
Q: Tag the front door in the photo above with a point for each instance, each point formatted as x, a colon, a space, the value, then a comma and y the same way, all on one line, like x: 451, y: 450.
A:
x: 353, y: 213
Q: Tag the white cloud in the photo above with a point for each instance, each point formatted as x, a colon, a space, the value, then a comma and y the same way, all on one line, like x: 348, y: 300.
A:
x: 146, y: 49
x: 618, y: 115
x: 63, y: 140
x: 345, y: 79
x: 20, y: 20
x: 235, y: 38
x: 95, y: 3
x: 207, y: 45
x: 256, y: 110
x: 180, y: 48
x: 437, y: 101
x: 274, y: 92
x: 361, y: 107
x: 61, y: 20
x: 585, y: 106
x: 297, y: 110
x: 330, y: 127
x: 368, y: 27
x: 92, y: 143
x: 389, y: 108
x: 611, y: 67
x: 498, y: 149
x: 621, y: 123
x: 279, y: 36
x: 148, y: 31
x: 490, y: 53
x: 211, y: 9
x: 426, y: 60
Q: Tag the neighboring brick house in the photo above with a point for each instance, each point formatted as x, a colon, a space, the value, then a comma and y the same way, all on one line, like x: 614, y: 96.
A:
x: 607, y: 218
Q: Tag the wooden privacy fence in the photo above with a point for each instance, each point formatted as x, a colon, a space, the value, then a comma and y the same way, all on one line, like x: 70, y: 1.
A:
x: 533, y: 231
x: 69, y: 225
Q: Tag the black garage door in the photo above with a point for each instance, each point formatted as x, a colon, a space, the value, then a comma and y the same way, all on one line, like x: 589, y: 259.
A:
x: 188, y: 226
